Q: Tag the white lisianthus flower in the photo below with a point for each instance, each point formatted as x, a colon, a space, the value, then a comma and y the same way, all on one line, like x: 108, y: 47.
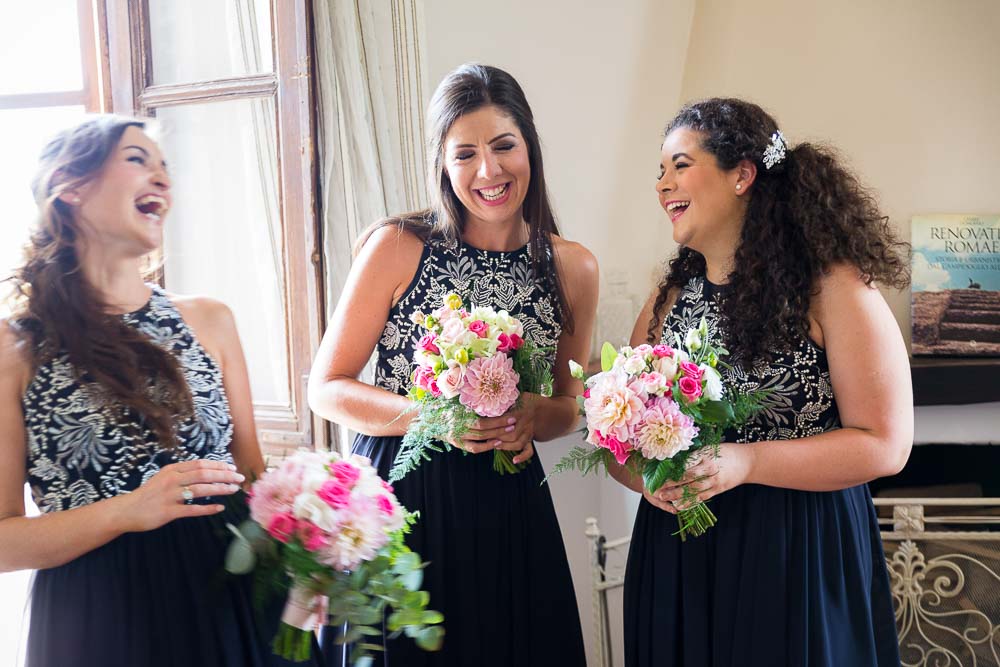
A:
x: 575, y: 369
x: 310, y: 507
x: 693, y: 340
x: 713, y: 382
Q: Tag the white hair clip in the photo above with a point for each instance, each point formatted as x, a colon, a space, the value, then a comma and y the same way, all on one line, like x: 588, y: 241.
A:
x: 775, y: 151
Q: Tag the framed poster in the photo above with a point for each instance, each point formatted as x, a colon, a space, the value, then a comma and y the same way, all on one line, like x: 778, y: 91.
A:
x: 956, y: 285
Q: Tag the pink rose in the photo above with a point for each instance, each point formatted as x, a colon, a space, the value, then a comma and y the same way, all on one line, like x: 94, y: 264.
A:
x: 312, y: 538
x: 504, y: 341
x: 516, y: 342
x: 652, y: 383
x: 282, y: 526
x: 451, y: 381
x: 385, y: 505
x: 479, y: 328
x: 426, y: 344
x: 690, y: 388
x: 586, y: 393
x: 691, y: 370
x: 334, y: 493
x: 346, y: 473
x: 434, y: 389
x: 423, y: 377
x: 660, y: 351
x: 619, y: 449
x: 387, y: 486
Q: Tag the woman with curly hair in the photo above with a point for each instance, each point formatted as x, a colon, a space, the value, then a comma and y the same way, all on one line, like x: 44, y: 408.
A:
x: 780, y: 249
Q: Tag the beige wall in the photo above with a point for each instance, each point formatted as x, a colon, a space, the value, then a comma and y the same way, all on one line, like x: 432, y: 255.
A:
x: 909, y: 90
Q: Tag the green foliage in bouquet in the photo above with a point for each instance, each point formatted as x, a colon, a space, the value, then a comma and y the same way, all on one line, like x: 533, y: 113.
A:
x: 388, y: 584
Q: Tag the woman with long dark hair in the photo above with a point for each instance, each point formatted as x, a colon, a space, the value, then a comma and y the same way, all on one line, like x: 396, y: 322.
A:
x: 497, y: 565
x: 780, y: 251
x: 128, y: 412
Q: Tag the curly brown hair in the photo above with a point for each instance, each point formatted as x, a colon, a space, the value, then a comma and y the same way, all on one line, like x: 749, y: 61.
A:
x: 804, y: 215
x: 59, y: 312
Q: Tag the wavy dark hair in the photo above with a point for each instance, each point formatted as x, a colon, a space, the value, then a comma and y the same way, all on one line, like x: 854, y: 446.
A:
x: 804, y: 215
x: 59, y: 312
x: 466, y: 89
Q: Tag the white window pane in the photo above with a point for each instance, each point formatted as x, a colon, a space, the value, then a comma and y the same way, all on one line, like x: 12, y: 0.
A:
x: 223, y: 236
x: 23, y: 133
x: 39, y: 47
x: 199, y: 40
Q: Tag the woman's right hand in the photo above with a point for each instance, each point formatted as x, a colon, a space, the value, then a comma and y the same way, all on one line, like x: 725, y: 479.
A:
x: 162, y: 499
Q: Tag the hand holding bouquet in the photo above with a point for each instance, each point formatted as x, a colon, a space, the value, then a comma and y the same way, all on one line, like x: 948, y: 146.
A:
x: 652, y: 409
x: 469, y: 364
x: 336, y: 530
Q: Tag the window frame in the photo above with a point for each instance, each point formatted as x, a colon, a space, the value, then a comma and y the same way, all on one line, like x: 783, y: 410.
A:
x: 281, y: 428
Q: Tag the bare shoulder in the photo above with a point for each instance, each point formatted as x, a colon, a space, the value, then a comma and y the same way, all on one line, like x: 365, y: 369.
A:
x: 392, y: 242
x: 575, y: 256
x: 15, y: 359
x: 839, y: 285
x: 204, y: 312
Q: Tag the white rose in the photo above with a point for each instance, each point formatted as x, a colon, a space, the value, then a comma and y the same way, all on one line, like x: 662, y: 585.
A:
x: 635, y: 364
x: 667, y: 367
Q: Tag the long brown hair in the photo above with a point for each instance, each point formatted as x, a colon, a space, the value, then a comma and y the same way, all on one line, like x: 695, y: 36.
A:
x: 804, y: 215
x: 60, y: 312
x: 464, y: 90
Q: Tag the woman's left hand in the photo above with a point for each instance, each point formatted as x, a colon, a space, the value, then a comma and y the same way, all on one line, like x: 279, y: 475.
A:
x: 515, y: 430
x: 711, y: 475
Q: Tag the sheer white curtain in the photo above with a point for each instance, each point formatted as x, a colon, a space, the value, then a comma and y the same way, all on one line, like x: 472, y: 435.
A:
x: 371, y: 96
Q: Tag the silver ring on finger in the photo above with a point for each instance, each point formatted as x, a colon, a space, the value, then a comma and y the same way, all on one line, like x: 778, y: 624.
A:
x: 187, y: 495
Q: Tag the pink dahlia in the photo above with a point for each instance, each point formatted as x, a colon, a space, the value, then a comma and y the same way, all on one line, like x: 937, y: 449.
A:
x: 665, y: 430
x: 490, y: 385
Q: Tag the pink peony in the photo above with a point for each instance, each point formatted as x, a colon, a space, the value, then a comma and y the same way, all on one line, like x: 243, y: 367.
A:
x: 490, y: 385
x: 691, y: 370
x: 665, y: 431
x: 479, y: 328
x: 282, y: 526
x: 612, y: 407
x: 426, y: 344
x: 690, y: 388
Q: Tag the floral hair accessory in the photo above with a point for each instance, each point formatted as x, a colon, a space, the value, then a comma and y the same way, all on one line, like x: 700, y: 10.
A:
x: 775, y: 151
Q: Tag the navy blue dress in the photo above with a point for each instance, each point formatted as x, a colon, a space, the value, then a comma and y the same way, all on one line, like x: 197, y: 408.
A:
x: 786, y: 578
x: 498, y: 568
x: 159, y: 598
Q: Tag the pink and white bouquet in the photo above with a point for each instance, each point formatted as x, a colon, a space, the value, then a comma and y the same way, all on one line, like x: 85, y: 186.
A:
x: 330, y: 530
x: 469, y: 364
x: 654, y: 407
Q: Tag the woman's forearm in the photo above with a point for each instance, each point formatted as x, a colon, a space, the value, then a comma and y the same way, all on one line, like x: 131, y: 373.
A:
x: 625, y: 478
x: 829, y: 461
x: 56, y: 538
x: 361, y: 407
x: 555, y: 417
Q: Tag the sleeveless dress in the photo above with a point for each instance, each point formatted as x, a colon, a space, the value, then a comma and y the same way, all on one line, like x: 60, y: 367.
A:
x: 154, y: 598
x: 786, y: 578
x: 498, y: 568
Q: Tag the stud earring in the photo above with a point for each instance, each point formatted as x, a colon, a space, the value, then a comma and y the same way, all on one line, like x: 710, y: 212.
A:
x: 739, y: 187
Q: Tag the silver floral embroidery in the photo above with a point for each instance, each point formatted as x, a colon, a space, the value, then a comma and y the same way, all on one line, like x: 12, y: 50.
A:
x: 81, y: 449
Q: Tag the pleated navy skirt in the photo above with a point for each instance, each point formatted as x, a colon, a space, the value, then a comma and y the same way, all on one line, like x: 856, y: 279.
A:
x: 785, y: 579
